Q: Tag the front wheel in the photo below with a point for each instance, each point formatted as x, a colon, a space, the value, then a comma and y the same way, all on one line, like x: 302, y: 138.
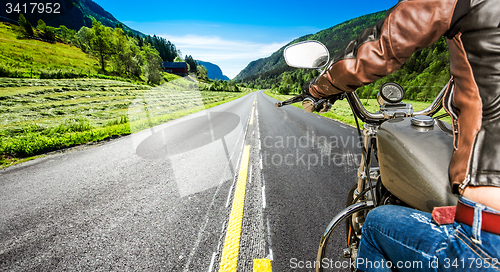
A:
x: 344, y: 214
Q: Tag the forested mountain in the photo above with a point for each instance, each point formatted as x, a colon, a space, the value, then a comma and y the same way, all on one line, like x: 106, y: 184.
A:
x: 335, y: 39
x: 71, y: 13
x: 214, y: 71
x: 423, y: 75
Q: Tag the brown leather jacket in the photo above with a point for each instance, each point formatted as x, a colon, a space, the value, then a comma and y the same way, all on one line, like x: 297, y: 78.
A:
x: 472, y: 29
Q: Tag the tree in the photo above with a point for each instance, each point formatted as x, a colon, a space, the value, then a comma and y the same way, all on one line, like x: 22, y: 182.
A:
x: 45, y: 32
x: 232, y: 87
x: 66, y: 34
x: 135, y: 60
x: 152, y: 66
x: 101, y: 43
x: 140, y: 41
x: 148, y: 40
x: 165, y: 48
x: 41, y: 25
x: 50, y: 34
x: 84, y: 37
x: 121, y: 51
x: 192, y: 64
x: 202, y: 72
x: 28, y: 29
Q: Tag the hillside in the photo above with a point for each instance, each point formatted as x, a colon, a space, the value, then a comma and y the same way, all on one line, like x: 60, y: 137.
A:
x: 73, y: 14
x: 423, y: 75
x: 31, y: 58
x: 335, y: 39
x: 214, y: 72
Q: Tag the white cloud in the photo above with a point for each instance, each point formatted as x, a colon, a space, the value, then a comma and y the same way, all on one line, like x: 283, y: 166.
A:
x: 231, y: 55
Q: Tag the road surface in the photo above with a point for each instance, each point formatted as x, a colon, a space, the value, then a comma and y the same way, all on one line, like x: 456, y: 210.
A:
x: 223, y: 188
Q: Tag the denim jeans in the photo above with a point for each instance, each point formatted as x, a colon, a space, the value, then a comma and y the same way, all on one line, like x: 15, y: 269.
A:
x: 404, y: 239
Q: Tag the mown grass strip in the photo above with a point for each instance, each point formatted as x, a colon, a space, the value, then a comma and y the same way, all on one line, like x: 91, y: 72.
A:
x: 31, y: 124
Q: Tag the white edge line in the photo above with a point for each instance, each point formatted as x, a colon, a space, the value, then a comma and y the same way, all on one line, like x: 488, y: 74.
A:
x: 261, y: 165
x: 212, y: 262
x: 270, y: 256
x: 263, y: 197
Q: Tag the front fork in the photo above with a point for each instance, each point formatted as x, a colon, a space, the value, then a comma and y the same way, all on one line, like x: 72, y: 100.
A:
x: 355, y: 212
x: 366, y: 180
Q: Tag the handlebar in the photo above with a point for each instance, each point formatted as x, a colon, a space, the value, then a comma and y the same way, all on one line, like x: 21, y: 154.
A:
x: 435, y: 106
x: 378, y: 117
x: 295, y: 99
x: 360, y: 111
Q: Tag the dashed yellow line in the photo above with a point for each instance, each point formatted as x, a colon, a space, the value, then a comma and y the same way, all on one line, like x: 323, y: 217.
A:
x: 229, y: 259
x: 262, y: 265
x: 251, y: 118
x: 253, y: 110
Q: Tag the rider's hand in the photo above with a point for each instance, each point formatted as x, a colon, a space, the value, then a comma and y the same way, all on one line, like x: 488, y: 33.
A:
x: 321, y: 105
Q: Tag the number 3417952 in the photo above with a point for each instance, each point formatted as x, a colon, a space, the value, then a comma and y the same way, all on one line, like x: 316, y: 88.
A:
x: 32, y: 8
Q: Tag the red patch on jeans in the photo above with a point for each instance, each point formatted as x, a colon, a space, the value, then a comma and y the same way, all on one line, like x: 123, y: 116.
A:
x: 444, y: 215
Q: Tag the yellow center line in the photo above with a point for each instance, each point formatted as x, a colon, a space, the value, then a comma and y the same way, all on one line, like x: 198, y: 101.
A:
x: 229, y: 259
x: 251, y: 118
x: 262, y: 265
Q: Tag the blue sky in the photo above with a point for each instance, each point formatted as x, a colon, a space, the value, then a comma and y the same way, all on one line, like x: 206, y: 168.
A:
x: 231, y: 34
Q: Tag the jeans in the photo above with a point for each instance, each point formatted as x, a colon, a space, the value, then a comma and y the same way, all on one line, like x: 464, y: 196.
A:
x: 397, y: 238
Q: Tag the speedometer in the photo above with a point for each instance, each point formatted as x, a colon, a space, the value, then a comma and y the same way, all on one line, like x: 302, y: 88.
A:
x: 390, y: 92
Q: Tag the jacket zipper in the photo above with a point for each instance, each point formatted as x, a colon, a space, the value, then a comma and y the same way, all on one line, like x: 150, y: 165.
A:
x: 455, y: 132
x: 465, y: 183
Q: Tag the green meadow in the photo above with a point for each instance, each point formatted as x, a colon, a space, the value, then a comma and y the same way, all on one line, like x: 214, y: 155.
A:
x: 39, y: 115
x: 21, y: 57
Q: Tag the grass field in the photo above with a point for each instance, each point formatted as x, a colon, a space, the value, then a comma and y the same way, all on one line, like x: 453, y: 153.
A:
x: 342, y: 111
x: 26, y: 58
x: 38, y: 116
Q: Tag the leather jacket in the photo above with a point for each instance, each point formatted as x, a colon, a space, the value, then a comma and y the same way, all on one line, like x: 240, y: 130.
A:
x: 472, y: 31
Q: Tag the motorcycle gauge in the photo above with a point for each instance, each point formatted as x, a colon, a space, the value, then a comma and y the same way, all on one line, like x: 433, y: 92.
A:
x: 390, y: 92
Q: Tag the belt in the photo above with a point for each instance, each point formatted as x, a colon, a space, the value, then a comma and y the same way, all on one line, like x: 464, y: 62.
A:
x: 490, y: 221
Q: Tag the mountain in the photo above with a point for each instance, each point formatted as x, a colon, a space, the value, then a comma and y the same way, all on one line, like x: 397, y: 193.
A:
x: 214, y: 71
x: 423, y: 75
x: 335, y: 39
x: 71, y: 13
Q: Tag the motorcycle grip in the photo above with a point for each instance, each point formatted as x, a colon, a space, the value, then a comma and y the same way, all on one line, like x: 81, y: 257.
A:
x: 295, y: 99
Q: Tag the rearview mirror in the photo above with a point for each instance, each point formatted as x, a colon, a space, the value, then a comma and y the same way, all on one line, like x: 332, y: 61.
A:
x: 307, y: 54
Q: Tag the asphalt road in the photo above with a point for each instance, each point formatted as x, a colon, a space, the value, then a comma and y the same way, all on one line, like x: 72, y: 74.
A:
x: 163, y: 199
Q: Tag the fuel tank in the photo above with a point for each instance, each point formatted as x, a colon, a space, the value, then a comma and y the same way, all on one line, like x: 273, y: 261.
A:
x: 414, y: 160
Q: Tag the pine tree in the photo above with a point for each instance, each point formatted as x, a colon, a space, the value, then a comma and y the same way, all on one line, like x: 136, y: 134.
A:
x: 26, y: 25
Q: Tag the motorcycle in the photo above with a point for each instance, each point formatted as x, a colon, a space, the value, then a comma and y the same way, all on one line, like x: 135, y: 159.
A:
x: 405, y: 154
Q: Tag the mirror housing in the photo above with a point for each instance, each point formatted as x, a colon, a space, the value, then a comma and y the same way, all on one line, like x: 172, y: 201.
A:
x: 307, y: 54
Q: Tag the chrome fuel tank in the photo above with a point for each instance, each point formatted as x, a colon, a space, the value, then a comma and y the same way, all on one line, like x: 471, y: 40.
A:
x: 414, y: 162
